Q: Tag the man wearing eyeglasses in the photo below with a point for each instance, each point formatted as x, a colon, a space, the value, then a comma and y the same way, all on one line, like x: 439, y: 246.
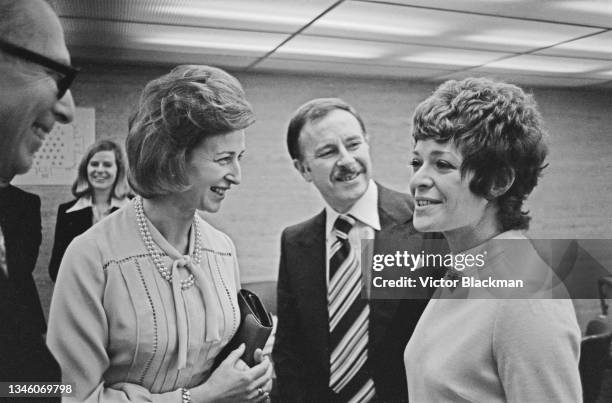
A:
x: 35, y: 74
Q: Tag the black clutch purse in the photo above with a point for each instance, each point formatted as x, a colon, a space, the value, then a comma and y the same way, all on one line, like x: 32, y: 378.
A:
x: 254, y: 330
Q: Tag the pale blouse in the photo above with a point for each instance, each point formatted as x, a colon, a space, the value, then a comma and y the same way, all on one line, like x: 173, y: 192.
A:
x: 86, y: 201
x: 121, y: 332
x: 479, y: 348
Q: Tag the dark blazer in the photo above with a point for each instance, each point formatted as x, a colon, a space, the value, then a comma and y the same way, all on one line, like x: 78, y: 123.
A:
x: 68, y: 226
x: 23, y: 354
x: 301, y: 351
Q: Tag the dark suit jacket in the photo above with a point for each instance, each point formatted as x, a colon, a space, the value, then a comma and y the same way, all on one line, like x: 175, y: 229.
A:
x: 23, y: 354
x: 301, y: 351
x: 68, y: 226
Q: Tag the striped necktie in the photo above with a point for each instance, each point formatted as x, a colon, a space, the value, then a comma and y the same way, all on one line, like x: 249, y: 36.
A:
x: 348, y: 320
x: 3, y: 264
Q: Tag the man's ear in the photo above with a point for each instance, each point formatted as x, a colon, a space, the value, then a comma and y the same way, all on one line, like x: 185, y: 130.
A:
x: 302, y: 169
x: 502, y: 183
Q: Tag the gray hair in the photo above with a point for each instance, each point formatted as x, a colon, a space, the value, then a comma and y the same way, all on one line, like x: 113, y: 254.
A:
x: 18, y: 26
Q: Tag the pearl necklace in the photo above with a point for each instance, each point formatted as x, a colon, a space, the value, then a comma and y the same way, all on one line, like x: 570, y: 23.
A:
x: 154, y: 252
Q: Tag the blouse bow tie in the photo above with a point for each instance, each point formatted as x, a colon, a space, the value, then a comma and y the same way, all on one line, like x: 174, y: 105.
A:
x: 214, y: 325
x: 179, y: 307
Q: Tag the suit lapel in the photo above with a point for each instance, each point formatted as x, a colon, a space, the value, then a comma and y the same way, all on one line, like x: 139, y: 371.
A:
x: 311, y: 285
x: 393, y: 222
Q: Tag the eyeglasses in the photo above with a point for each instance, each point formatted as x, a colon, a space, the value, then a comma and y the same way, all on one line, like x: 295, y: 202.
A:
x: 67, y: 73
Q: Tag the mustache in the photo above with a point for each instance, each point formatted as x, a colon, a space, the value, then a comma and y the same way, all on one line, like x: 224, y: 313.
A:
x: 347, y: 169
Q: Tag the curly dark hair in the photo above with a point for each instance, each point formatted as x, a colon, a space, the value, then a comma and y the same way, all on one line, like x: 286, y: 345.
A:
x: 498, y: 130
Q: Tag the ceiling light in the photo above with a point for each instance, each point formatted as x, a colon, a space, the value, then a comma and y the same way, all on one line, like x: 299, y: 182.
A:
x: 206, y: 43
x: 230, y: 14
x: 452, y: 57
x: 385, y: 29
x: 601, y: 44
x: 334, y: 48
x: 517, y: 37
x: 370, y: 19
x: 331, y: 52
x: 548, y: 64
x: 591, y: 6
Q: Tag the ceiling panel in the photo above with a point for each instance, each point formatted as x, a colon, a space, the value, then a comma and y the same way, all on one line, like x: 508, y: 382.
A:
x: 306, y: 47
x: 545, y: 65
x: 597, y: 46
x: 605, y: 74
x: 268, y: 16
x: 455, y: 58
x: 343, y: 68
x: 376, y: 21
x: 169, y: 38
x: 596, y: 13
x: 86, y: 54
x: 537, y: 41
x: 523, y: 79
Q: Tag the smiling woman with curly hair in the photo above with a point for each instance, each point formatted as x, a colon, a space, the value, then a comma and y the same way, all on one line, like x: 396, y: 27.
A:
x: 479, y: 152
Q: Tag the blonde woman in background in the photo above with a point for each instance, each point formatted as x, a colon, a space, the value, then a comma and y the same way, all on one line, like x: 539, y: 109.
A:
x: 99, y: 189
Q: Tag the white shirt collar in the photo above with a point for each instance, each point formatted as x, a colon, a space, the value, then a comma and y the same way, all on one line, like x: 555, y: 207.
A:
x: 365, y: 210
x: 86, y: 202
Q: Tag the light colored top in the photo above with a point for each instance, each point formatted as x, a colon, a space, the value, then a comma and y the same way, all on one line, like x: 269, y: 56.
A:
x: 86, y: 201
x: 113, y: 326
x: 365, y: 210
x: 495, y: 350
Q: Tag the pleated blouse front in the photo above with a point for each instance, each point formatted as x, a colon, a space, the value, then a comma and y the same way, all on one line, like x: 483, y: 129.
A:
x: 121, y: 332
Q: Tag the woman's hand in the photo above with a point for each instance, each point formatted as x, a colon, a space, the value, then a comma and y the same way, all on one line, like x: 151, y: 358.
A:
x: 234, y: 381
x: 260, y: 357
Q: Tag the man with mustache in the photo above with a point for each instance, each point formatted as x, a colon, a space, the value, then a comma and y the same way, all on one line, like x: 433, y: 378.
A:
x: 35, y: 74
x: 331, y: 344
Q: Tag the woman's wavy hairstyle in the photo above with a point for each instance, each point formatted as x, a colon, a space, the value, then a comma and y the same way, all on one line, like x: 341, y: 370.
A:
x: 498, y: 130
x: 81, y: 186
x: 175, y: 113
